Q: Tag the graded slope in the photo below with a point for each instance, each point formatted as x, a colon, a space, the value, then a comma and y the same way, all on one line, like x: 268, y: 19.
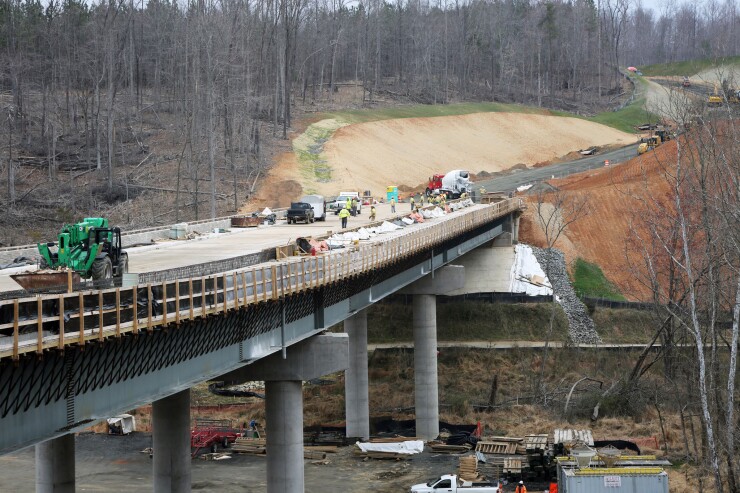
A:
x: 618, y: 200
x: 373, y: 155
x: 370, y: 156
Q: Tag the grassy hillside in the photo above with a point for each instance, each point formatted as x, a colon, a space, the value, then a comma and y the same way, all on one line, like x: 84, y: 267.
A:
x: 687, y: 67
x: 589, y: 280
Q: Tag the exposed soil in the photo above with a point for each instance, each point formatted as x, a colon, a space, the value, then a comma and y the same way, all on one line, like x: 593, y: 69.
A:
x: 618, y: 196
x: 370, y: 156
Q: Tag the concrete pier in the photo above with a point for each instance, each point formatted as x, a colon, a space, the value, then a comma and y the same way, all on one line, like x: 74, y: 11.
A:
x: 55, y: 465
x: 426, y: 391
x: 426, y: 399
x: 171, y: 443
x: 284, y: 414
x: 357, y: 407
x: 309, y: 359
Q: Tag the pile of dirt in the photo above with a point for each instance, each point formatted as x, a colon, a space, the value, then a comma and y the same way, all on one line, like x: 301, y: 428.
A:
x: 371, y: 156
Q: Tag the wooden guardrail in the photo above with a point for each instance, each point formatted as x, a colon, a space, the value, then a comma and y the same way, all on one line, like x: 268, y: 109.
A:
x: 59, y: 320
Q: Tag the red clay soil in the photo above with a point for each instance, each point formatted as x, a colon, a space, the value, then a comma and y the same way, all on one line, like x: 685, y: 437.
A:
x: 618, y: 198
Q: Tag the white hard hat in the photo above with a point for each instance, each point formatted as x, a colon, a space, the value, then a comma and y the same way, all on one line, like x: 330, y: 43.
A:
x: 521, y: 482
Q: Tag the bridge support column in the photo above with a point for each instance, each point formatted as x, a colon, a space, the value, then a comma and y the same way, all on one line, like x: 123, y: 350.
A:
x: 312, y: 358
x: 55, y: 465
x: 171, y: 443
x: 284, y: 415
x: 426, y: 400
x: 357, y: 403
x: 426, y: 391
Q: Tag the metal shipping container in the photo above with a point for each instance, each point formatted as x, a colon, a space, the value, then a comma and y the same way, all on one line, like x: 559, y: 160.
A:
x: 572, y: 482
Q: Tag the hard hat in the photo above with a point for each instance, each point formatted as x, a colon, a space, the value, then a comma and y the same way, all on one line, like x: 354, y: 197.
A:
x: 521, y: 482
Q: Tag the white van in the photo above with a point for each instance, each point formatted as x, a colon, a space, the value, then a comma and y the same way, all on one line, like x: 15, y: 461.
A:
x: 318, y: 204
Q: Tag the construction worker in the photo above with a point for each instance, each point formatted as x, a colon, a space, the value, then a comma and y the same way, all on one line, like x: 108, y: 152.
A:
x: 343, y: 215
x: 520, y: 488
x: 421, y: 199
x: 482, y: 190
x: 393, y: 205
x: 412, y: 202
x: 348, y: 203
x: 372, y: 212
x: 353, y: 211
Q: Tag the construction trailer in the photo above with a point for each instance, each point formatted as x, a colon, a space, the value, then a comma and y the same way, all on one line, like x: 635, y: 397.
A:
x: 613, y: 480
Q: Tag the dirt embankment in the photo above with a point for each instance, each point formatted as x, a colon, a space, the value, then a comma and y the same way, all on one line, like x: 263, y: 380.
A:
x: 405, y: 152
x: 620, y: 201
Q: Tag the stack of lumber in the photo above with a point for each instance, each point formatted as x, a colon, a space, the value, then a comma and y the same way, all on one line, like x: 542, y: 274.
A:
x: 246, y: 445
x: 443, y: 448
x: 512, y: 466
x: 535, y: 443
x: 498, y: 447
x: 314, y: 454
x: 328, y: 449
x: 468, y: 469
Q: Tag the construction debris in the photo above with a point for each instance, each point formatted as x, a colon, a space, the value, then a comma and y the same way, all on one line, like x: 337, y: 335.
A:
x: 397, y: 451
x: 468, y: 469
x: 443, y: 448
x: 246, y: 445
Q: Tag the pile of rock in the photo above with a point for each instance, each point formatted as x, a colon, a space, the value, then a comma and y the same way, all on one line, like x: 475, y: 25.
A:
x: 580, y: 326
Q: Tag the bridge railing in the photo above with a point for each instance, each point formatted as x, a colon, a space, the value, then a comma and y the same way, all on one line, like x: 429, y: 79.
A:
x: 46, y: 322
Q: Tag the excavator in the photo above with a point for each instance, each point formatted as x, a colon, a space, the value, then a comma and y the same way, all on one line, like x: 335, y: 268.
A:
x: 89, y: 249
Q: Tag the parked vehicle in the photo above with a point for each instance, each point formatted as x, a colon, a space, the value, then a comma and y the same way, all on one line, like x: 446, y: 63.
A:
x: 300, y: 211
x: 210, y: 434
x: 318, y: 203
x: 341, y: 201
x: 450, y: 483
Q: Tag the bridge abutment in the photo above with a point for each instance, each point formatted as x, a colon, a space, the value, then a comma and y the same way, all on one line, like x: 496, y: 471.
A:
x: 426, y: 390
x: 171, y: 443
x: 356, y: 394
x: 55, y: 465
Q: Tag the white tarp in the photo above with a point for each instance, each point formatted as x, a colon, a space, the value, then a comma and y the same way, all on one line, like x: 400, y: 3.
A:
x: 523, y: 188
x: 407, y: 220
x: 125, y: 422
x: 526, y: 274
x: 266, y: 211
x: 386, y: 227
x: 409, y: 448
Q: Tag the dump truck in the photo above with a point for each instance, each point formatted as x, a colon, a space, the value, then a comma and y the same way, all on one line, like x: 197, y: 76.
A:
x: 451, y: 483
x: 90, y: 248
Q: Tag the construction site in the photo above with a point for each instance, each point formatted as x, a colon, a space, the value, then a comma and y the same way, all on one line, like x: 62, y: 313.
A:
x: 515, y: 283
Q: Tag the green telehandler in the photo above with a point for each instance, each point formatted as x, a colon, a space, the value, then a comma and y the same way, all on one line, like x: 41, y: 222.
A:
x: 90, y: 248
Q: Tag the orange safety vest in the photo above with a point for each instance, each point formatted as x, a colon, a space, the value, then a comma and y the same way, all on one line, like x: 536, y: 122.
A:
x: 520, y: 489
x: 553, y: 488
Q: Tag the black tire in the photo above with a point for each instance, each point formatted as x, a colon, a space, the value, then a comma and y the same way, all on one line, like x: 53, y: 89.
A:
x: 43, y: 264
x: 102, y: 268
x: 122, y: 267
x: 310, y: 220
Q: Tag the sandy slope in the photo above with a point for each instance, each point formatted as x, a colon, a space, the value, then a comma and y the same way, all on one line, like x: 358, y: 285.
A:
x: 370, y: 156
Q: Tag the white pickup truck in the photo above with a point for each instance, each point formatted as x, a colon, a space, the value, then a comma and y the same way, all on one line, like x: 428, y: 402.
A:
x: 449, y: 483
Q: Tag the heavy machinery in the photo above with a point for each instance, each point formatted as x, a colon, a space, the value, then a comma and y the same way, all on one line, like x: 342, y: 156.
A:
x: 90, y: 248
x: 660, y: 135
x: 686, y: 82
x: 435, y: 183
x: 715, y: 99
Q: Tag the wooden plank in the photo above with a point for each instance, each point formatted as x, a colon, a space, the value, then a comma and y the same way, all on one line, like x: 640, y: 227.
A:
x: 273, y: 273
x: 149, y: 327
x: 226, y: 295
x: 177, y: 302
x: 164, y: 303
x: 118, y: 315
x: 236, y: 292
x: 190, y: 297
x: 254, y: 285
x: 202, y: 296
x: 40, y: 326
x: 264, y: 285
x: 101, y: 319
x: 135, y: 316
x: 61, y: 321
x: 15, y: 330
x: 81, y: 320
x: 244, y: 286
